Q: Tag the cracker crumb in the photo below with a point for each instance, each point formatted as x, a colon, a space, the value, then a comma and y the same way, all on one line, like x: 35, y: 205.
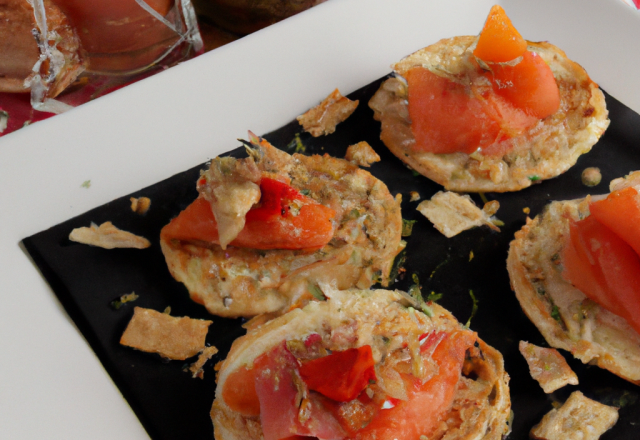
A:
x: 414, y: 196
x: 169, y: 336
x: 591, y: 176
x: 361, y: 154
x: 580, y: 418
x: 196, y: 368
x: 108, y: 236
x: 324, y: 118
x: 548, y: 367
x: 526, y: 210
x: 140, y: 205
x: 453, y: 213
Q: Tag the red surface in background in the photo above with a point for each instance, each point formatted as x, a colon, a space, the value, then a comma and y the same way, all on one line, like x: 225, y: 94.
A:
x: 86, y: 89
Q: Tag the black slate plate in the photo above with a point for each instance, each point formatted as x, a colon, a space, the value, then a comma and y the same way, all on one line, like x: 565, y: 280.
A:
x: 172, y: 405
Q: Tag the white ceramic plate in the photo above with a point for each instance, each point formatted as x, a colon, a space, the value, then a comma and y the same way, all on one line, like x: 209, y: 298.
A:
x: 52, y: 386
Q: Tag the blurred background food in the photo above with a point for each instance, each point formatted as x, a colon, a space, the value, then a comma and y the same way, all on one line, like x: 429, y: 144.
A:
x: 58, y: 54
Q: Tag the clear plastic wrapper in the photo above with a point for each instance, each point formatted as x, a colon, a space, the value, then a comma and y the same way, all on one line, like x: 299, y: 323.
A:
x: 55, y: 48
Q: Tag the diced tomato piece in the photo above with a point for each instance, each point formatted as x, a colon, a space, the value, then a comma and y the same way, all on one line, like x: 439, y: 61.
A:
x: 447, y: 117
x: 342, y: 375
x: 528, y: 85
x: 620, y: 212
x: 604, y: 267
x: 427, y: 402
x: 270, y: 225
x: 499, y: 41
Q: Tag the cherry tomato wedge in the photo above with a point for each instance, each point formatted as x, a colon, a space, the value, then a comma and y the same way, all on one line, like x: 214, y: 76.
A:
x: 499, y: 41
x: 342, y: 375
x: 272, y: 224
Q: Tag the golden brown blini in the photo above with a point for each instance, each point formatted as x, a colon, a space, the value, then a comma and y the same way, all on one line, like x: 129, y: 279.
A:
x: 361, y: 365
x: 544, y: 151
x: 364, y: 234
x: 565, y: 316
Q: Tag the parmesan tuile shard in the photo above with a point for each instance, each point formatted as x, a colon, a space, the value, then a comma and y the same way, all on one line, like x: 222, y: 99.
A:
x: 108, y: 236
x: 169, y: 336
x: 323, y: 119
x: 548, y: 367
x: 452, y: 213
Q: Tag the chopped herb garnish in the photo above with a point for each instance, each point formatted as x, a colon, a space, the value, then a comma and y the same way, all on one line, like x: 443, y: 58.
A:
x: 407, y: 227
x: 415, y: 173
x: 316, y: 292
x: 534, y: 178
x: 398, y: 264
x: 433, y: 296
x: 116, y: 304
x: 377, y: 277
x: 474, y: 308
x: 555, y: 313
x: 438, y: 267
x: 470, y: 255
x: 416, y: 294
x: 626, y: 399
x: 483, y: 198
x: 305, y: 192
x: 167, y: 310
x: 86, y: 184
x: 296, y: 145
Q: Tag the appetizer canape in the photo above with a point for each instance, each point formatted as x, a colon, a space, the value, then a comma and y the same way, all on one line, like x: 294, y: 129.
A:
x: 363, y: 364
x: 490, y: 113
x: 576, y: 271
x: 267, y: 229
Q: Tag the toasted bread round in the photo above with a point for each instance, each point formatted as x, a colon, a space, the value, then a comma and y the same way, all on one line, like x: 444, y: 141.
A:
x: 246, y: 282
x: 381, y: 320
x: 544, y: 151
x: 563, y: 314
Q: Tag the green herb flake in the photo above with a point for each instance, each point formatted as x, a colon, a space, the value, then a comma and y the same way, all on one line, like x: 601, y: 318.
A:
x: 129, y: 297
x: 86, y: 184
x: 474, y: 308
x: 296, y: 145
x: 471, y: 256
x: 434, y: 297
x: 398, y: 264
x: 438, y: 267
x: 316, y: 292
x: 415, y: 173
x: 627, y: 398
x: 483, y: 198
x: 407, y: 227
x: 534, y: 178
x: 167, y: 310
x: 555, y: 313
x: 305, y: 192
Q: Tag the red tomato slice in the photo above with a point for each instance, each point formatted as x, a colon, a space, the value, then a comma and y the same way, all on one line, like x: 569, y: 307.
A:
x: 499, y: 41
x: 427, y: 402
x: 270, y: 225
x: 448, y: 117
x: 605, y: 268
x: 528, y: 85
x: 342, y: 375
x: 620, y: 212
